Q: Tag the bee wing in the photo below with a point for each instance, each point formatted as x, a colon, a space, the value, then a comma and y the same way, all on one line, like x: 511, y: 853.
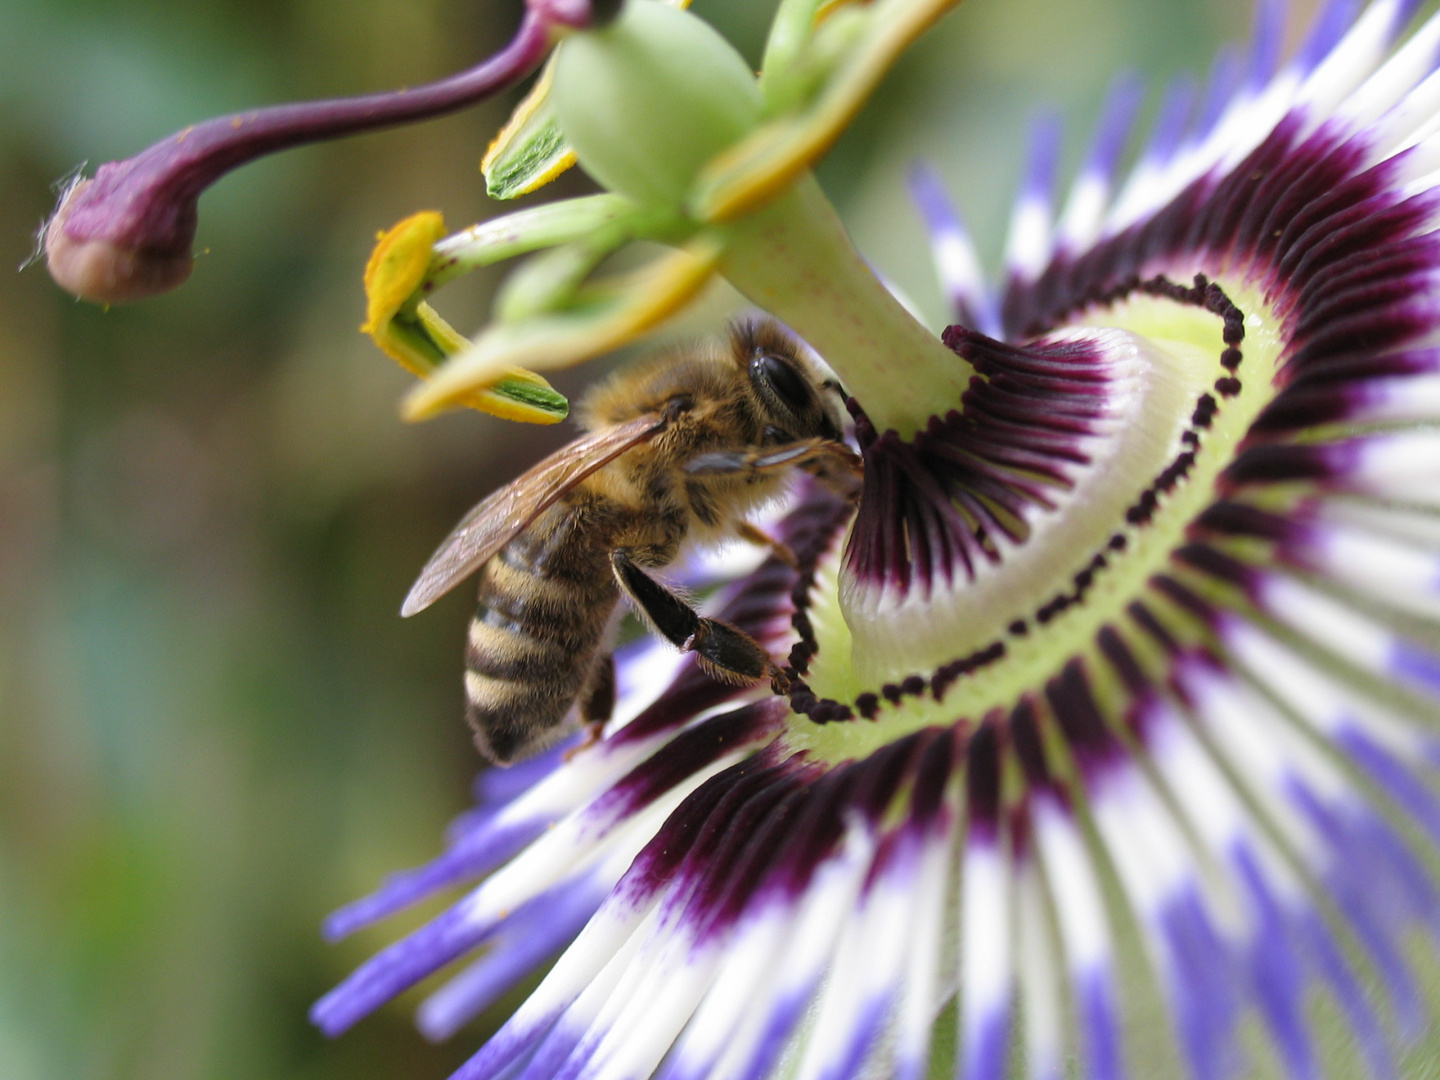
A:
x: 508, y: 510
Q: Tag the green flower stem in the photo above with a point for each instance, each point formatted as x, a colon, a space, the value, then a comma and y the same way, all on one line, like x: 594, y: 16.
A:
x: 516, y: 234
x: 794, y: 259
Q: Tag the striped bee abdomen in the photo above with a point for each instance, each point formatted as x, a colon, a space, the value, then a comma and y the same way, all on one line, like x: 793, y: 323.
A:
x: 544, y: 603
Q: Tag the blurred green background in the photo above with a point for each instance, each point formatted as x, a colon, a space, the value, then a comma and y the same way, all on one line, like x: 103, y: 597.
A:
x: 214, y: 728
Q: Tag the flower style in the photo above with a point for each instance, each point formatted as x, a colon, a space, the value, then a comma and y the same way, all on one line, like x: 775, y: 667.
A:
x: 1128, y: 660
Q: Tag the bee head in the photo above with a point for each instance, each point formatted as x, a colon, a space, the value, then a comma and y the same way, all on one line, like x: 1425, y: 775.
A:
x: 798, y: 402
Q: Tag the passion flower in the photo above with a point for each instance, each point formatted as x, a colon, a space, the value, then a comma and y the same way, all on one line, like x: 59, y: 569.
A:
x: 1133, y: 629
x: 1125, y: 666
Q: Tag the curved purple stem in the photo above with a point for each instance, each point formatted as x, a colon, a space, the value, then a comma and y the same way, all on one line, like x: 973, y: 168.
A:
x: 127, y: 232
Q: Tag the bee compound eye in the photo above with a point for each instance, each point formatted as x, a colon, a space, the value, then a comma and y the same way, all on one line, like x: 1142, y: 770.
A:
x: 783, y: 381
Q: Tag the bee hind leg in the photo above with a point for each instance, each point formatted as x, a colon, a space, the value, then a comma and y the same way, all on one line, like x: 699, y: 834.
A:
x: 723, y: 651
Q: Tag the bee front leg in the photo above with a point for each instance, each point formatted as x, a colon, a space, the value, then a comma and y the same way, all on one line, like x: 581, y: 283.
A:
x: 830, y: 461
x: 723, y: 651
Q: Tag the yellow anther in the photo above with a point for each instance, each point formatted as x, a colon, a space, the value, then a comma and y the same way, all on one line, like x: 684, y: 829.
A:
x: 529, y: 152
x: 610, y: 316
x: 517, y: 394
x: 412, y: 333
x: 765, y: 163
x: 396, y: 269
x: 530, y: 149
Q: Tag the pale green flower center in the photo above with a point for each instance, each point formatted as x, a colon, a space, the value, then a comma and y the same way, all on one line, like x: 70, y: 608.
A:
x: 868, y: 638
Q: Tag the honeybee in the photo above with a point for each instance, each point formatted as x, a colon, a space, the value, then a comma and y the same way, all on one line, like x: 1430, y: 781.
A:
x: 677, y: 450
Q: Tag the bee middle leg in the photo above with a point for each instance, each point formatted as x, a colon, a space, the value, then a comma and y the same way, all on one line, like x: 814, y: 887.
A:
x: 753, y: 534
x: 723, y: 651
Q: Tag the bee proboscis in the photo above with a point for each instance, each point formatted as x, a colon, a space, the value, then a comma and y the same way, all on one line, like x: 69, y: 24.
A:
x: 678, y: 449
